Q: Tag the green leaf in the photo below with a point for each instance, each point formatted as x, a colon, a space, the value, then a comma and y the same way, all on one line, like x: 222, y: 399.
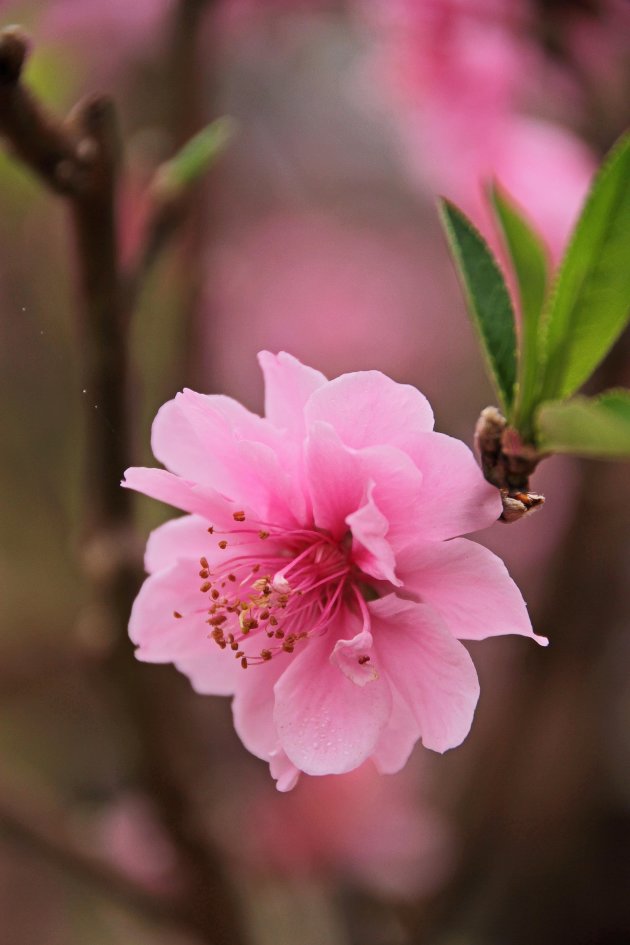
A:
x: 195, y: 157
x: 487, y: 296
x: 531, y: 268
x: 590, y: 304
x: 598, y: 426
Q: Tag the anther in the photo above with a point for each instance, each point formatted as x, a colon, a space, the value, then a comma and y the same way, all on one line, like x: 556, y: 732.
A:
x: 177, y: 614
x: 238, y: 516
x: 266, y: 654
x: 204, y: 562
x: 204, y: 573
x: 205, y: 587
x: 223, y: 544
x: 215, y: 594
x: 363, y: 660
x: 244, y: 662
x: 231, y: 577
x: 262, y: 535
x: 211, y: 530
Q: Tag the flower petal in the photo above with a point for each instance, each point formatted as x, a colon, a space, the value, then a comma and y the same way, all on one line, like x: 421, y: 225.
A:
x: 335, y: 481
x: 371, y: 550
x: 327, y: 724
x: 367, y: 408
x: 374, y: 491
x: 468, y: 586
x: 432, y: 671
x: 354, y: 658
x: 214, y: 441
x: 284, y: 772
x: 397, y: 738
x: 253, y: 705
x: 181, y: 493
x: 288, y: 386
x: 161, y: 637
x: 455, y: 497
x: 184, y: 537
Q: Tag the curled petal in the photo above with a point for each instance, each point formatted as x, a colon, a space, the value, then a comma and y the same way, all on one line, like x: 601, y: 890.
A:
x: 283, y: 771
x: 355, y: 658
x: 370, y: 550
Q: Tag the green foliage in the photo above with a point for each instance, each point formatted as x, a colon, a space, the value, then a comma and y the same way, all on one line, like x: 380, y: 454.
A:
x: 196, y: 157
x: 598, y: 426
x: 590, y: 304
x: 488, y: 299
x: 531, y: 269
x: 566, y: 332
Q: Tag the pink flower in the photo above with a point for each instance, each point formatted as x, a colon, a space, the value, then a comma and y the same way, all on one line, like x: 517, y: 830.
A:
x: 318, y: 832
x: 313, y: 578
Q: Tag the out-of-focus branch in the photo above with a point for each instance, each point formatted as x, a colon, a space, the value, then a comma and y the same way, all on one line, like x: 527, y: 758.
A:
x: 79, y: 159
x: 40, y: 830
x: 42, y: 143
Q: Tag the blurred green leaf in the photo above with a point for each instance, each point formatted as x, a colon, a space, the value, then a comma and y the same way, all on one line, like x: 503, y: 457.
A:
x: 590, y: 304
x: 196, y: 157
x: 487, y: 296
x: 530, y: 264
x: 598, y: 426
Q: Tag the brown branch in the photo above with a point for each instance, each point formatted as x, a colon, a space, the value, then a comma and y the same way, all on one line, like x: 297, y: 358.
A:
x: 80, y: 160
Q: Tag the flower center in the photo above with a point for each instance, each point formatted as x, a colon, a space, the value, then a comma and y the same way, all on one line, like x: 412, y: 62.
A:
x: 278, y: 599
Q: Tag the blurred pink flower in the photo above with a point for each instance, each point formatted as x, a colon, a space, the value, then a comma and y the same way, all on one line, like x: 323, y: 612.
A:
x: 382, y: 834
x: 132, y: 839
x: 328, y: 572
x: 460, y: 75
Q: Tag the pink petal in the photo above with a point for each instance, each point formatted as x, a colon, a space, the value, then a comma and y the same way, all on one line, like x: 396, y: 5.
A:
x: 369, y: 409
x: 397, y: 738
x: 253, y: 705
x: 374, y: 491
x: 335, y: 480
x: 283, y: 771
x: 468, y: 586
x: 354, y: 658
x: 371, y: 551
x: 455, y: 497
x: 431, y: 670
x: 188, y: 537
x: 288, y: 386
x: 184, y: 537
x: 163, y: 638
x: 216, y: 442
x: 181, y: 493
x: 326, y: 724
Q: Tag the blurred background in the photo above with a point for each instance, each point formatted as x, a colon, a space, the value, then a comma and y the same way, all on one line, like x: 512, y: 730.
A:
x: 315, y: 232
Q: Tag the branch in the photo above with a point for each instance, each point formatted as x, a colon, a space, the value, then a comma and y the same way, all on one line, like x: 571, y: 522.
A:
x: 79, y: 159
x: 40, y: 829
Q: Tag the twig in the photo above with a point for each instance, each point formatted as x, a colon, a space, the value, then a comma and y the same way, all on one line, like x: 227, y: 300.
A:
x: 79, y: 159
